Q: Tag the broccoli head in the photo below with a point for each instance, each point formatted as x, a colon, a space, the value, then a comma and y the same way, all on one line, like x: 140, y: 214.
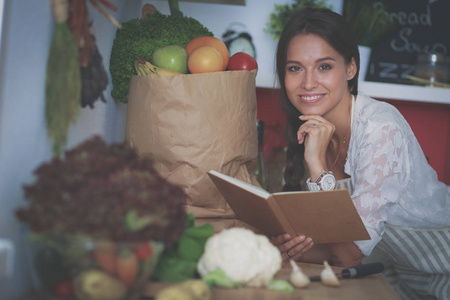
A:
x: 139, y: 37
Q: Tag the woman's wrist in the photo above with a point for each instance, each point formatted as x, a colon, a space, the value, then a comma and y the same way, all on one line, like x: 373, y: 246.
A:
x: 316, y: 169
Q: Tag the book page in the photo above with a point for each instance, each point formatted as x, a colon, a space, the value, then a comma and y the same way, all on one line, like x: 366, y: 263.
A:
x: 247, y: 186
x: 248, y: 204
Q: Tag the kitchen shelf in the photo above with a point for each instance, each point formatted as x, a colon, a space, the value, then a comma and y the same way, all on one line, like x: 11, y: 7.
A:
x: 405, y: 92
x: 382, y: 90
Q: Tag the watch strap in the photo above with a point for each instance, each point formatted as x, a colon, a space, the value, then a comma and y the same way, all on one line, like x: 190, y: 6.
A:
x: 312, y: 186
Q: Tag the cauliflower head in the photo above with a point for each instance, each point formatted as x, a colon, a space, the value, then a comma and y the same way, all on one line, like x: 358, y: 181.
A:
x: 244, y: 256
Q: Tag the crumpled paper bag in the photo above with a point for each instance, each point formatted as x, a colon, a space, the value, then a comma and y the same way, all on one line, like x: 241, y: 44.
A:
x: 190, y: 124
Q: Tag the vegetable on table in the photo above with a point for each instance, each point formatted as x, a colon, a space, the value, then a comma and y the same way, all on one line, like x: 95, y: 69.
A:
x: 198, y: 287
x: 143, y: 251
x: 297, y: 277
x: 105, y: 256
x: 179, y: 261
x: 245, y: 257
x: 219, y: 278
x: 127, y: 267
x: 139, y: 37
x: 99, y: 184
x: 328, y: 277
x: 193, y: 289
x: 94, y: 284
x: 281, y: 286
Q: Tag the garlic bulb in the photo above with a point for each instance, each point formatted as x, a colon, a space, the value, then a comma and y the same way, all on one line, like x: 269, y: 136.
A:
x: 327, y: 276
x: 298, y: 278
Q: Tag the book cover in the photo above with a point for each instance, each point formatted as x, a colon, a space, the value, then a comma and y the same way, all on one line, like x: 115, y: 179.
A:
x: 326, y: 216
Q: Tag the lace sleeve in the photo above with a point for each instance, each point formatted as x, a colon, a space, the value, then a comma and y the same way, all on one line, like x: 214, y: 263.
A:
x: 381, y: 171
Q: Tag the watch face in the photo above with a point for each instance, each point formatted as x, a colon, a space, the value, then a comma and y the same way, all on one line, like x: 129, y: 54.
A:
x: 241, y: 44
x: 328, y: 182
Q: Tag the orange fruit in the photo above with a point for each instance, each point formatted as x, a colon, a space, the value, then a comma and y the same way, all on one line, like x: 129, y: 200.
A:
x: 205, y: 59
x: 209, y: 41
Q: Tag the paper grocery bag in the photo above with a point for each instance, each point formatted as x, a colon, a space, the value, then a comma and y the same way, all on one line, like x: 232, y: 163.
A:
x: 191, y: 124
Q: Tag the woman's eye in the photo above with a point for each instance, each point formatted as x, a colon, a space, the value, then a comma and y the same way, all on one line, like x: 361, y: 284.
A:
x: 294, y: 68
x: 325, y: 67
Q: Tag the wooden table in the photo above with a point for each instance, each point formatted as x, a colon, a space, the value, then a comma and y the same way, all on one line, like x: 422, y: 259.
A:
x: 370, y: 287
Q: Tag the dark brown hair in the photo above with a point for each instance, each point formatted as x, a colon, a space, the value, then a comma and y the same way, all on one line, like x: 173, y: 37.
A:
x: 333, y: 28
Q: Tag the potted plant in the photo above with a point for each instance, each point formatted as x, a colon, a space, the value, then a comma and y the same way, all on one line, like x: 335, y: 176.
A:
x: 369, y: 21
x: 283, y: 12
x: 99, y: 218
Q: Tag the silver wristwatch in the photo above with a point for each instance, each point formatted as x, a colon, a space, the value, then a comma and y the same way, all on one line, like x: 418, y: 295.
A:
x: 325, y: 182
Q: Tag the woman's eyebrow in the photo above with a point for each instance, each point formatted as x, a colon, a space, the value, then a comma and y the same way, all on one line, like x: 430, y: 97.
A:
x: 317, y: 61
x: 325, y: 58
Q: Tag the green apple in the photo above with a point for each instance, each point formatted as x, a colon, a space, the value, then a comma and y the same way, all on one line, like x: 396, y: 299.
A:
x: 172, y: 57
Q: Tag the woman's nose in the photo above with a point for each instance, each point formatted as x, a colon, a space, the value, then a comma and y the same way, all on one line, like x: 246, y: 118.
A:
x: 309, y: 81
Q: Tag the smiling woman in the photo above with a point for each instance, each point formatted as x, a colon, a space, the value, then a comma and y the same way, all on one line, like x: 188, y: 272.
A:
x: 339, y: 137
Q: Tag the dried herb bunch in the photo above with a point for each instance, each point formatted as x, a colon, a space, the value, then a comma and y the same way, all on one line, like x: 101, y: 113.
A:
x: 104, y: 191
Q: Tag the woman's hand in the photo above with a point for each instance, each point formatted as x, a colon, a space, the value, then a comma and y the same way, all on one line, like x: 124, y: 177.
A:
x: 292, y: 248
x: 316, y: 134
x: 345, y: 254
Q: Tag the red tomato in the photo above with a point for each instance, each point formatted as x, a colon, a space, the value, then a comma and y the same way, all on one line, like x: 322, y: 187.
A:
x: 242, y: 61
x: 64, y: 289
x: 143, y: 251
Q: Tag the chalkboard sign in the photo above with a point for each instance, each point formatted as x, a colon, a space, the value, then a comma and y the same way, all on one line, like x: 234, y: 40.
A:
x: 421, y: 26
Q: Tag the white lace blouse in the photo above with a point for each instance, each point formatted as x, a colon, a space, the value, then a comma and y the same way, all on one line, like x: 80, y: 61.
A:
x: 391, y: 179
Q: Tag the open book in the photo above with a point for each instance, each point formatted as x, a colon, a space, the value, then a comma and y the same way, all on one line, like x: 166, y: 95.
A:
x: 326, y: 217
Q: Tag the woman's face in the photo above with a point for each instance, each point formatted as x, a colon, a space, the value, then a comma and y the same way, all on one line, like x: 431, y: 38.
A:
x: 316, y: 75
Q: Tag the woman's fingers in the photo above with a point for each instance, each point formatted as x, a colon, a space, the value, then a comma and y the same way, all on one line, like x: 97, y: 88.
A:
x: 314, y: 124
x: 303, y: 131
x: 292, y: 248
x: 279, y: 240
x: 297, y: 251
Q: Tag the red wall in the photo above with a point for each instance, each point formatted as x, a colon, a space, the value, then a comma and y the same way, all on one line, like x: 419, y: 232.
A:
x: 430, y: 123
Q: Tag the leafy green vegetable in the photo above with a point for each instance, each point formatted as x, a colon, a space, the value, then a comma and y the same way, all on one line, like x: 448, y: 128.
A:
x: 283, y: 12
x: 63, y: 87
x: 369, y: 20
x: 202, y: 232
x: 179, y: 262
x: 96, y: 187
x: 281, y: 286
x: 219, y: 278
x: 134, y: 222
x: 139, y: 37
x: 189, y: 248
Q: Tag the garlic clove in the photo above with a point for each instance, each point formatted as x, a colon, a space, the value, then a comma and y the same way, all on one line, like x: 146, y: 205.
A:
x: 327, y: 276
x: 298, y: 278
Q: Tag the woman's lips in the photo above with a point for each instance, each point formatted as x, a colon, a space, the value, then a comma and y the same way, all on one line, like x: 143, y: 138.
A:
x: 311, y: 98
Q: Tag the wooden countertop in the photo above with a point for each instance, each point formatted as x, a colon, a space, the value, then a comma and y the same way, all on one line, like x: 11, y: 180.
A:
x: 370, y: 287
